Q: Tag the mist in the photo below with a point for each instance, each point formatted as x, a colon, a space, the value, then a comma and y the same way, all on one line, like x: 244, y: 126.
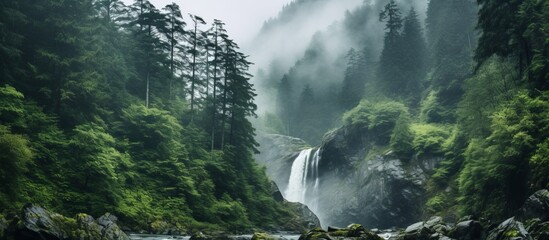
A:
x: 309, y: 42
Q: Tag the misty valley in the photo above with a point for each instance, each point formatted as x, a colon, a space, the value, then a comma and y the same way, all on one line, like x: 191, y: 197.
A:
x: 337, y: 119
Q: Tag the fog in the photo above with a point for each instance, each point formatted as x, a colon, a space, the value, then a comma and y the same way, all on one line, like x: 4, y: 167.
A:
x: 336, y: 26
x: 243, y: 18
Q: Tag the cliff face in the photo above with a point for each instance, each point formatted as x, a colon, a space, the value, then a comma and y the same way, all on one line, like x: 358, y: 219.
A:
x: 357, y: 180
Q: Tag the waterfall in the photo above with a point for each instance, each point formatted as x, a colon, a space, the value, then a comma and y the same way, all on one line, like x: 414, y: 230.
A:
x: 298, y: 184
x: 314, y: 199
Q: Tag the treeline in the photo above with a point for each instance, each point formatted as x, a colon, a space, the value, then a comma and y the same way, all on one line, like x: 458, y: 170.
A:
x: 134, y: 110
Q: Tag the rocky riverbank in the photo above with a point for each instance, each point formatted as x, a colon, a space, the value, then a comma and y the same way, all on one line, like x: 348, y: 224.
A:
x: 530, y: 223
x: 36, y: 222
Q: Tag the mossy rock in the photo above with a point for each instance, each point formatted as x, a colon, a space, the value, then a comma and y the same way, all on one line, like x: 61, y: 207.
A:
x: 508, y: 230
x: 39, y: 223
x: 262, y: 236
x: 314, y: 234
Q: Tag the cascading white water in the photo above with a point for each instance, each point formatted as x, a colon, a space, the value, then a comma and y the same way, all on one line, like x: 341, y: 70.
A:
x: 314, y: 199
x: 298, y: 186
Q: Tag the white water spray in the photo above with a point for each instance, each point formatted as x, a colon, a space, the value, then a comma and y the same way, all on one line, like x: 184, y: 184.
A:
x: 299, y: 189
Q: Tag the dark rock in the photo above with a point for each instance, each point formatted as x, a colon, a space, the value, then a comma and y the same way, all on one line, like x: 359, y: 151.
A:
x: 39, y: 223
x: 434, y: 221
x: 333, y: 229
x: 433, y: 229
x: 307, y: 219
x: 537, y: 229
x: 416, y: 231
x: 358, y: 183
x: 467, y: 230
x: 108, y: 227
x: 353, y: 231
x: 510, y: 229
x: 315, y: 234
x: 276, y: 193
x: 536, y: 206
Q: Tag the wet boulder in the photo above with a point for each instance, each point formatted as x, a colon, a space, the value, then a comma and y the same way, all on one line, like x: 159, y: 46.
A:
x: 433, y: 229
x: 467, y: 230
x: 536, y: 206
x: 510, y: 229
x: 353, y: 231
x: 305, y: 219
x: 39, y: 223
x: 315, y: 234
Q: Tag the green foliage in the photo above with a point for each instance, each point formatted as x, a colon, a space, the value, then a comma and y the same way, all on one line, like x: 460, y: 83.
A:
x: 402, y: 64
x: 540, y: 166
x: 16, y: 155
x: 432, y: 111
x: 451, y: 38
x: 436, y: 204
x: 96, y: 117
x: 95, y: 170
x: 378, y: 117
x: 429, y: 138
x: 494, y: 84
x: 495, y: 179
x: 402, y: 137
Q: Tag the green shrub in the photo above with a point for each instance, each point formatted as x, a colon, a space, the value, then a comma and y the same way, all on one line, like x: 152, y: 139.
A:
x: 377, y: 117
x: 429, y: 138
x: 402, y: 137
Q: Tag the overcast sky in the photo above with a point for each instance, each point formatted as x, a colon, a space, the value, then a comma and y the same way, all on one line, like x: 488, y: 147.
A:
x: 244, y: 18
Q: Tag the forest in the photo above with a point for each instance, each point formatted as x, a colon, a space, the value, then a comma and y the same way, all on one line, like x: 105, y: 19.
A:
x: 151, y: 115
x: 131, y: 110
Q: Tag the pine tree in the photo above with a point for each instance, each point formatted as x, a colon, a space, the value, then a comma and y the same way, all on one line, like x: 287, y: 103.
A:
x: 10, y: 42
x: 174, y: 33
x: 151, y: 23
x: 354, y: 81
x: 390, y: 76
x: 285, y: 103
x: 414, y: 56
x: 451, y: 40
x: 195, y: 53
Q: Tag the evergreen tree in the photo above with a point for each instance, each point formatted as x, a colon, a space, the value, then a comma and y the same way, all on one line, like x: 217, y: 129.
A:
x: 285, y: 103
x: 195, y: 53
x: 354, y: 81
x: 451, y: 40
x: 390, y: 78
x: 174, y: 33
x: 10, y: 44
x: 414, y: 56
x: 151, y: 23
x: 402, y: 64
